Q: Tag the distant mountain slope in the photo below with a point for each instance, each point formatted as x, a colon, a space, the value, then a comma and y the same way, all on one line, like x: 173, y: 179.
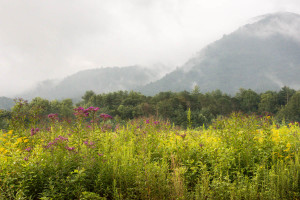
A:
x: 264, y: 55
x: 6, y: 103
x: 99, y: 80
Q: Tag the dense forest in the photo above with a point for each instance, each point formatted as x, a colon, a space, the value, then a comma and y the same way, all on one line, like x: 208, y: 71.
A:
x: 173, y: 106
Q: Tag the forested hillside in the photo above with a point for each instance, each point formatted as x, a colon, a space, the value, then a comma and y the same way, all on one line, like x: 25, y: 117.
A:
x: 261, y: 56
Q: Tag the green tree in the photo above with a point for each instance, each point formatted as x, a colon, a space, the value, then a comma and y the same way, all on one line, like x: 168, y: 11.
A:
x: 291, y: 111
x: 248, y: 100
x: 87, y: 96
x: 268, y: 103
x: 285, y: 95
x: 66, y: 108
x: 4, y: 119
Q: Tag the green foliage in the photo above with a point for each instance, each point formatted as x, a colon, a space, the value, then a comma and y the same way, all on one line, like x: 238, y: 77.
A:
x: 237, y: 157
x: 4, y: 119
x: 189, y: 120
x: 291, y: 111
x: 173, y: 106
x: 204, y: 107
x: 269, y: 103
x: 249, y: 100
x: 285, y: 94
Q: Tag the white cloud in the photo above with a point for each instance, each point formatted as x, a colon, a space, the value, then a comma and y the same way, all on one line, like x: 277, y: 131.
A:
x: 54, y: 38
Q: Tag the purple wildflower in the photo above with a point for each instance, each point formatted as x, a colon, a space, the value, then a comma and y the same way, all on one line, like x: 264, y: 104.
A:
x: 53, y: 116
x: 86, y: 112
x: 34, y: 131
x: 28, y: 149
x: 50, y: 144
x: 57, y: 140
x: 90, y: 108
x: 61, y: 138
x: 26, y: 158
x: 78, y: 109
x: 100, y: 154
x: 90, y: 145
x: 70, y: 148
x: 147, y: 121
x: 105, y: 116
x: 81, y: 112
x: 93, y: 109
x: 183, y: 135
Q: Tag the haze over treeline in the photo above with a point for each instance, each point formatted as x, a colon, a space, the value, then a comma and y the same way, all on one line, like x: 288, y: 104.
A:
x: 181, y: 108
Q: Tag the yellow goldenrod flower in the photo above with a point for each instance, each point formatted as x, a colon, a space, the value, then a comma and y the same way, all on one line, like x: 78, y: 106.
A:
x: 288, y: 145
x: 19, y: 140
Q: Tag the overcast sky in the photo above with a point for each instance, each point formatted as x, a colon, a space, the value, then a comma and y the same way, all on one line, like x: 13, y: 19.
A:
x: 48, y: 39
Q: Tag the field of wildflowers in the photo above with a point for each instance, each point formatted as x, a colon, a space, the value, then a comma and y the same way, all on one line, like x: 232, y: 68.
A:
x: 94, y: 157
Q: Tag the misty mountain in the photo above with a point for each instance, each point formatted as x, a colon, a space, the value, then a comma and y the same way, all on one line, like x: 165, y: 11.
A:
x: 100, y: 80
x: 6, y: 103
x: 263, y: 55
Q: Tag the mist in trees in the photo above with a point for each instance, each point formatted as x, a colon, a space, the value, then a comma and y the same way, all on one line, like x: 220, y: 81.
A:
x: 284, y: 105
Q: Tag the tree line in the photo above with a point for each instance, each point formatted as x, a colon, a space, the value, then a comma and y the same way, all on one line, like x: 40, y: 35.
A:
x: 202, y: 108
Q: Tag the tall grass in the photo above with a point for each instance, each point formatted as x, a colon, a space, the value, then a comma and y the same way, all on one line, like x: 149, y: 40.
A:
x: 237, y: 157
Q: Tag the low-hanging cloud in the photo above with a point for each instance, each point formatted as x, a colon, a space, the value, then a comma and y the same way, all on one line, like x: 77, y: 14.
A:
x: 53, y: 38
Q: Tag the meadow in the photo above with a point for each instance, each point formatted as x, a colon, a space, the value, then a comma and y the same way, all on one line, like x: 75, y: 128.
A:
x: 94, y: 157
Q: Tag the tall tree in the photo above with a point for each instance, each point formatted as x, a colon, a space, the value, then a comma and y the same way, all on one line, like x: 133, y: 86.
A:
x: 248, y: 100
x: 285, y: 95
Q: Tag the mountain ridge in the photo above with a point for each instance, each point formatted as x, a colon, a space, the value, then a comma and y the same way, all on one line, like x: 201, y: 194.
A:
x: 262, y: 55
x: 100, y: 80
x: 242, y: 59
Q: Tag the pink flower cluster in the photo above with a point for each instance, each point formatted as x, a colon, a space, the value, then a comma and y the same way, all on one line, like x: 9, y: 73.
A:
x: 53, y: 117
x: 28, y: 149
x: 89, y: 144
x: 155, y: 122
x: 81, y: 112
x: 34, y: 131
x: 70, y: 148
x: 92, y: 109
x: 57, y: 140
x: 105, y: 116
